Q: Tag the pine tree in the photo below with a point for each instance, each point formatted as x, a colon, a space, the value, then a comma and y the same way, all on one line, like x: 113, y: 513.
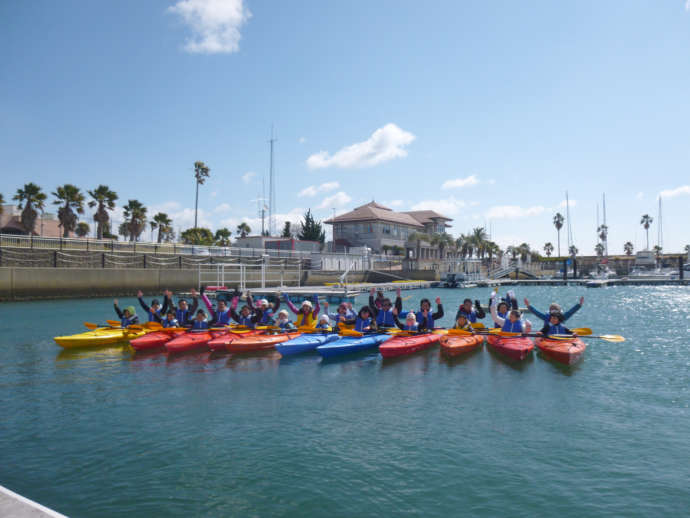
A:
x: 311, y: 229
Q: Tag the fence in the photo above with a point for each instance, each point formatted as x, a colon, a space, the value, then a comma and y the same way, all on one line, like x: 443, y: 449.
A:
x: 252, y: 274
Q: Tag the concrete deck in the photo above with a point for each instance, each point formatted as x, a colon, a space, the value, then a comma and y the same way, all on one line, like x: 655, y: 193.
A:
x: 13, y: 505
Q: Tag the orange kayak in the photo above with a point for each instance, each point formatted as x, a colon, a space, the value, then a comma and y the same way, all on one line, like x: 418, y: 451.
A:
x: 453, y: 345
x: 517, y: 347
x: 245, y: 344
x: 563, y: 351
x: 221, y: 342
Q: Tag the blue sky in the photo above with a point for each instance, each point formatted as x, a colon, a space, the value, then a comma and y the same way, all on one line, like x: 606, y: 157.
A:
x: 484, y: 111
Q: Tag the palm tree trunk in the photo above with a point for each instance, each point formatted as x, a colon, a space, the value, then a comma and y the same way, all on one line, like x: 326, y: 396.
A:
x: 647, y: 232
x: 196, y: 202
x: 559, y: 242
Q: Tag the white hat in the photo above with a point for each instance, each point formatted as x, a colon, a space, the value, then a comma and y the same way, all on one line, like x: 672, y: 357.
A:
x: 283, y: 312
x: 306, y: 303
x: 263, y: 302
x: 411, y: 316
x: 323, y: 318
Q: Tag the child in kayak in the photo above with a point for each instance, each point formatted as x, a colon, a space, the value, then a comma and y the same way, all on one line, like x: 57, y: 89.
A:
x: 410, y: 324
x: 555, y: 326
x: 502, y: 307
x: 554, y: 308
x: 462, y: 323
x: 268, y: 309
x: 514, y: 323
x: 344, y: 314
x: 425, y: 312
x: 283, y: 321
x: 471, y: 314
x: 128, y: 316
x: 383, y: 313
x: 200, y: 321
x: 364, y: 322
x: 170, y: 320
x: 220, y: 316
x: 307, y: 314
x: 154, y: 312
x: 324, y: 323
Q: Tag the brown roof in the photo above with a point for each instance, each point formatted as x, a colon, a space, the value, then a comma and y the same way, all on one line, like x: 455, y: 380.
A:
x: 426, y: 216
x: 374, y: 212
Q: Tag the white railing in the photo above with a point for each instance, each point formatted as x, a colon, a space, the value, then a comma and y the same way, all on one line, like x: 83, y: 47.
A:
x: 267, y: 273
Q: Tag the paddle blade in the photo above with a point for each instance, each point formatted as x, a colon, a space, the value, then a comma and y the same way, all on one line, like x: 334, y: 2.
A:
x: 462, y: 332
x: 350, y: 332
x: 113, y: 323
x: 90, y: 325
x: 611, y: 338
x: 152, y: 325
x: 582, y: 331
x: 478, y: 325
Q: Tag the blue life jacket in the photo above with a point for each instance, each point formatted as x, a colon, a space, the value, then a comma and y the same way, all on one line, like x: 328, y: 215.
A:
x: 321, y: 325
x: 361, y: 323
x: 512, y: 327
x: 337, y: 317
x: 223, y: 317
x: 503, y: 315
x: 558, y: 329
x: 171, y: 323
x: 181, y: 315
x: 429, y: 319
x: 246, y: 321
x: 200, y: 325
x: 152, y: 316
x: 285, y: 325
x: 385, y: 318
x: 267, y: 317
x: 471, y: 316
x: 126, y: 322
x: 414, y: 327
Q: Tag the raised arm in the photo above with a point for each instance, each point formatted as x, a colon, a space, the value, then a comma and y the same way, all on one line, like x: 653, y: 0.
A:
x: 535, y: 311
x: 372, y: 302
x: 140, y: 297
x: 290, y: 305
x: 117, y: 309
x: 317, y: 307
x: 439, y: 310
x: 494, y: 314
x: 573, y: 310
x: 480, y: 311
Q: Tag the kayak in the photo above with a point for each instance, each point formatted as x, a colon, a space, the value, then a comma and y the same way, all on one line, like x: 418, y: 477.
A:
x: 351, y: 344
x: 402, y: 345
x: 191, y: 341
x: 453, y: 345
x: 154, y: 340
x: 220, y: 343
x: 564, y: 351
x: 515, y: 347
x: 305, y: 343
x: 259, y: 342
x: 97, y: 337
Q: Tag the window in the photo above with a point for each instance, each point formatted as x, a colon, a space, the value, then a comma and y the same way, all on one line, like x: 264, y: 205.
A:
x: 386, y: 229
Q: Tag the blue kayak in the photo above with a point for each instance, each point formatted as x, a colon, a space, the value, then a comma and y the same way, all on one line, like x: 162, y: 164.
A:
x: 351, y: 344
x: 305, y: 343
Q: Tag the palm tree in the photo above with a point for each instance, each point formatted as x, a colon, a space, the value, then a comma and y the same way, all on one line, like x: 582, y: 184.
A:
x: 163, y: 223
x: 104, y: 198
x: 657, y: 251
x: 646, y: 221
x: 222, y: 237
x: 2, y: 201
x: 573, y: 251
x: 548, y: 249
x: 687, y: 248
x: 442, y: 240
x: 73, y: 200
x: 243, y: 229
x: 628, y: 248
x: 123, y: 230
x: 33, y: 198
x: 524, y: 251
x: 82, y: 229
x: 599, y: 249
x: 493, y: 249
x: 558, y: 223
x: 478, y: 239
x: 201, y: 172
x: 135, y: 212
x: 460, y: 245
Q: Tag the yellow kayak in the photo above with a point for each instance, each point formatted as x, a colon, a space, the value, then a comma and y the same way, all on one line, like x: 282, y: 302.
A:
x: 98, y: 337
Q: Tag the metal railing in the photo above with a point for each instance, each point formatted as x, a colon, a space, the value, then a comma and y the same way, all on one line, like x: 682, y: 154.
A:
x: 256, y: 274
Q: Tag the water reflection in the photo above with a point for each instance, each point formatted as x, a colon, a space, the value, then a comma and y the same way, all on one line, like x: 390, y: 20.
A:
x: 107, y: 352
x: 254, y: 361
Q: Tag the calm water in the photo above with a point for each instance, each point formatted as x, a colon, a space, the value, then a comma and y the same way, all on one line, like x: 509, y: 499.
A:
x: 100, y: 433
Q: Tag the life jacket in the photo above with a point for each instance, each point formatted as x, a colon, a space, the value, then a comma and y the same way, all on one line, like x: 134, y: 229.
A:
x: 339, y: 318
x: 321, y: 325
x: 285, y: 324
x: 181, y: 315
x: 307, y: 320
x: 429, y: 319
x: 414, y: 327
x: 503, y: 315
x: 558, y: 329
x: 171, y: 323
x: 126, y: 322
x: 223, y: 317
x: 200, y: 325
x: 512, y: 327
x: 385, y: 318
x: 267, y: 317
x: 471, y: 316
x: 153, y: 315
x: 245, y: 321
x: 361, y: 323
x: 466, y: 327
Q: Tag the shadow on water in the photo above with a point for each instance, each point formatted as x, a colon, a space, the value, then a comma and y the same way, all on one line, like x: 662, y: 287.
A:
x: 566, y: 370
x: 254, y: 361
x: 518, y: 365
x: 307, y: 356
x: 419, y: 359
x: 360, y: 356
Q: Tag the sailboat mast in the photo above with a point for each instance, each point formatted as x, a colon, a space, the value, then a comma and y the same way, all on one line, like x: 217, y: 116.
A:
x: 271, y: 190
x: 606, y: 241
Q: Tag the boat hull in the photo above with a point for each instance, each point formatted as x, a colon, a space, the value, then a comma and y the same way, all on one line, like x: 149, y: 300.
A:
x: 567, y: 352
x: 404, y: 345
x: 258, y: 342
x: 97, y: 337
x: 517, y: 348
x: 351, y: 345
x: 457, y: 345
x: 305, y: 343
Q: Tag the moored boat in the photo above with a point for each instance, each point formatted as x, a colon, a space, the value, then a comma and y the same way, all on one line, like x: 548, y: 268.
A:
x: 191, y: 341
x: 154, y: 340
x: 454, y: 345
x: 515, y: 347
x: 403, y: 345
x: 568, y: 351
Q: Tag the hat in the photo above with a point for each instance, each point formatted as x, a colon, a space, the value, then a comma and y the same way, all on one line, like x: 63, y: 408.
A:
x: 131, y: 310
x: 283, y: 312
x: 554, y: 307
x: 306, y: 303
x: 323, y: 318
x: 411, y: 316
x: 155, y: 302
x: 263, y: 302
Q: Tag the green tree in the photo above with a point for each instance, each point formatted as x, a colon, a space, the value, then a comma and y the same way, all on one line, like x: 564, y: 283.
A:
x: 33, y: 199
x: 514, y: 251
x: 82, y: 229
x: 123, y: 230
x: 478, y: 239
x: 599, y: 249
x: 197, y: 236
x: 417, y: 238
x: 201, y: 172
x: 646, y: 221
x: 104, y: 199
x: 385, y: 249
x: 243, y: 229
x: 311, y: 229
x: 573, y: 251
x: 163, y: 223
x: 135, y: 217
x: 524, y: 251
x: 2, y: 201
x: 71, y: 199
x: 443, y: 241
x: 222, y: 237
x: 628, y: 248
x: 287, y: 231
x: 687, y: 249
x: 548, y: 249
x: 558, y: 223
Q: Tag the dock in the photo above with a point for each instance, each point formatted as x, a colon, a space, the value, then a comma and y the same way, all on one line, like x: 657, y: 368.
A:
x: 16, y: 506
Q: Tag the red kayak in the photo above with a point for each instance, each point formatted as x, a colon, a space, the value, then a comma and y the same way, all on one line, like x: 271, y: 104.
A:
x: 566, y: 351
x: 402, y: 345
x: 259, y: 342
x: 220, y: 343
x: 155, y: 340
x: 454, y: 345
x: 191, y: 341
x: 515, y: 347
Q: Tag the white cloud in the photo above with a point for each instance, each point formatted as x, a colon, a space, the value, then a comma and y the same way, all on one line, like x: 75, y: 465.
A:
x: 513, y: 212
x: 687, y: 5
x: 313, y: 190
x: 385, y: 144
x: 215, y: 24
x: 678, y: 191
x: 474, y: 204
x: 339, y: 199
x: 459, y: 183
x: 214, y: 194
x: 446, y: 207
x: 563, y: 204
x: 640, y: 194
x: 247, y: 177
x: 223, y: 207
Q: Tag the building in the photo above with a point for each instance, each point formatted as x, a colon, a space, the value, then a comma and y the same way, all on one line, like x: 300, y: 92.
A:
x: 277, y: 243
x: 380, y: 228
x: 47, y: 224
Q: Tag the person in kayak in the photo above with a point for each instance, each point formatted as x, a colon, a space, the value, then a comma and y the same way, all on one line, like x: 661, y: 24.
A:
x: 307, y: 314
x: 221, y: 315
x: 502, y: 307
x: 364, y: 322
x: 268, y: 309
x: 324, y: 323
x: 183, y: 313
x: 200, y: 321
x: 472, y: 314
x: 344, y: 314
x: 170, y: 320
x: 555, y: 326
x: 425, y: 312
x: 410, y: 324
x: 155, y: 312
x: 513, y: 324
x: 128, y: 316
x: 554, y: 308
x: 380, y: 299
x: 283, y: 321
x: 462, y: 323
x: 384, y: 313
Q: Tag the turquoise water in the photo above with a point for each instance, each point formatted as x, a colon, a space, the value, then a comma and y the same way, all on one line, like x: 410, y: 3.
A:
x: 99, y: 433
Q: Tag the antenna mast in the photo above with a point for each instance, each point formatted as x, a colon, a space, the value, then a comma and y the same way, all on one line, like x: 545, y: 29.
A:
x: 567, y: 217
x: 660, y: 230
x: 271, y: 190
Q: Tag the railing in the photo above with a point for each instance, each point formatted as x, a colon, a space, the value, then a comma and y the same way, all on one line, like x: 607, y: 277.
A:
x: 255, y: 274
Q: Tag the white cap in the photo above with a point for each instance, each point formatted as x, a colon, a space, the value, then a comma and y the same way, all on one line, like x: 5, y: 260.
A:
x: 306, y: 303
x: 283, y: 312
